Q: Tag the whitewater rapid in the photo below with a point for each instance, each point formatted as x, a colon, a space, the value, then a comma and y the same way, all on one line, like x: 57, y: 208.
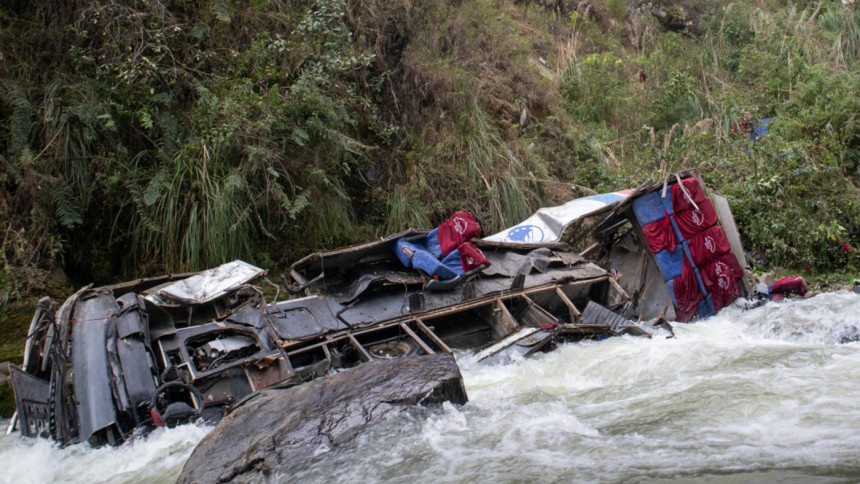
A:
x: 764, y: 395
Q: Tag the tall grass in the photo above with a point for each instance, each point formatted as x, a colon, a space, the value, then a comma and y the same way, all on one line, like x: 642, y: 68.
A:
x: 498, y: 174
x: 195, y: 215
x: 405, y: 211
x: 841, y: 27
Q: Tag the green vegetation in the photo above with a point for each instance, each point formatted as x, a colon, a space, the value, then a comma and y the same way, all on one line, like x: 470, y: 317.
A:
x: 7, y: 401
x: 146, y: 137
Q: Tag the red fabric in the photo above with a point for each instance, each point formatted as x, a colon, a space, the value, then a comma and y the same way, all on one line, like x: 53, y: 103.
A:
x: 789, y: 285
x: 679, y: 199
x: 157, y: 419
x: 472, y: 257
x: 687, y: 293
x: 659, y: 235
x: 709, y: 245
x: 693, y: 222
x: 720, y: 278
x: 723, y: 297
x: 461, y: 227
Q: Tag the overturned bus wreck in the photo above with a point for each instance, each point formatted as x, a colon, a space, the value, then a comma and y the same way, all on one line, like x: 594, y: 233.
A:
x: 121, y: 359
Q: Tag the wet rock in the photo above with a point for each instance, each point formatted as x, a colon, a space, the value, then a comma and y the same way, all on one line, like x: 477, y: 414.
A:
x: 282, y: 429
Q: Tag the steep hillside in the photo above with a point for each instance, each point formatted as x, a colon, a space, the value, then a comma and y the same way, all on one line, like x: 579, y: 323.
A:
x: 160, y: 136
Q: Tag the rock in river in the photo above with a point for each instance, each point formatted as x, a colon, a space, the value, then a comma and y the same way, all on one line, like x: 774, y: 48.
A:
x: 281, y: 429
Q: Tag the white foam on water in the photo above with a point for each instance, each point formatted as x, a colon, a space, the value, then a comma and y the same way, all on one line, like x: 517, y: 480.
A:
x: 158, y: 457
x: 767, y: 394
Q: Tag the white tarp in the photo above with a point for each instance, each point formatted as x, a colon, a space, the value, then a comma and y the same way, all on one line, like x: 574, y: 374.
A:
x: 209, y: 284
x: 548, y: 224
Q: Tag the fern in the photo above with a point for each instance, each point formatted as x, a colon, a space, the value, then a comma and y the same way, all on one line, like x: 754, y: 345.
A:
x: 299, y: 204
x: 155, y: 189
x: 21, y: 121
x: 221, y: 9
x: 68, y: 209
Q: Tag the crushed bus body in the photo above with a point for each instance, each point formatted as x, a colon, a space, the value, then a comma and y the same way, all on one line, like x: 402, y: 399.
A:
x: 117, y: 360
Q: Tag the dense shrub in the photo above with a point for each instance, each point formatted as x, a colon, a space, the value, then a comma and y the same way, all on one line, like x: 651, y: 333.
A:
x: 162, y: 136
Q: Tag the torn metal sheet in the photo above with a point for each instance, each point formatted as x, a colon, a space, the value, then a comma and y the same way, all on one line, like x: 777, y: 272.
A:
x: 548, y: 224
x: 724, y: 212
x: 91, y: 377
x: 208, y: 285
x: 313, y: 265
x: 513, y: 338
x: 364, y: 281
x: 636, y: 271
x: 596, y: 314
x: 512, y: 264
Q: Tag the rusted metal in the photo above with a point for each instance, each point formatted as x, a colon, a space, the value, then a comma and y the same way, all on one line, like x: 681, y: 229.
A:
x: 503, y: 322
x: 430, y: 334
x: 575, y: 315
x: 535, y: 315
x: 358, y: 347
x: 418, y: 340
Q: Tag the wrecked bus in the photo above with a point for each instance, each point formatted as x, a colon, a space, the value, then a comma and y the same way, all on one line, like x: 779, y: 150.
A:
x: 115, y: 361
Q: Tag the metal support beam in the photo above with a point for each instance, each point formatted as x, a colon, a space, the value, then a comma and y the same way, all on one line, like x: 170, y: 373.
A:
x: 430, y: 334
x: 418, y: 340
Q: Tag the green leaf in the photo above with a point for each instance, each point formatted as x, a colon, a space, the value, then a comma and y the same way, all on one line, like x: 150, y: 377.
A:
x: 68, y: 209
x: 300, y: 136
x: 221, y: 10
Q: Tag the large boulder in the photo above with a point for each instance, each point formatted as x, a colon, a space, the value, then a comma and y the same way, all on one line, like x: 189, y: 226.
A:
x: 281, y: 429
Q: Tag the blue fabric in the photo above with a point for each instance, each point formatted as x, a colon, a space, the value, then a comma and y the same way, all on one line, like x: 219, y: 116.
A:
x: 452, y: 261
x: 428, y: 263
x: 759, y: 129
x: 649, y: 208
x: 671, y: 285
x: 706, y: 307
x: 676, y: 229
x: 405, y: 250
x: 431, y: 243
x: 667, y: 202
x: 685, y: 246
x: 670, y: 263
x: 424, y: 252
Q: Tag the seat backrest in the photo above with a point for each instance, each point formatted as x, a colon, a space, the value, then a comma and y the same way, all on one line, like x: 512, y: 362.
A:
x: 461, y: 227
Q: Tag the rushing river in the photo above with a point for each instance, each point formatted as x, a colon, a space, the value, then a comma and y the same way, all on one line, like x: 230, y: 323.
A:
x: 770, y: 394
